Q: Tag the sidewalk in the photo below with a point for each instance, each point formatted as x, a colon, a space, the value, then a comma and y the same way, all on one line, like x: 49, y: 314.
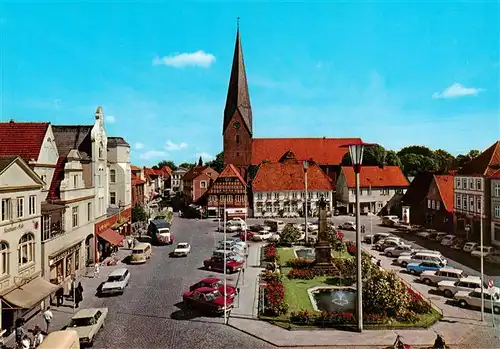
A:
x: 63, y: 314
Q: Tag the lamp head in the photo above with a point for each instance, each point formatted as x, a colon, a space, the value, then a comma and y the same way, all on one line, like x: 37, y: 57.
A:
x: 356, y: 151
x: 305, y: 164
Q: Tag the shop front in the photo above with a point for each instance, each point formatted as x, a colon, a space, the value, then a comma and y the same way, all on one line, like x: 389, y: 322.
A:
x: 111, y: 232
x: 65, y: 264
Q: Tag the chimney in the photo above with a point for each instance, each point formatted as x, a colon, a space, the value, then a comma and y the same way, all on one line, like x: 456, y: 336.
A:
x: 11, y: 121
x: 382, y: 165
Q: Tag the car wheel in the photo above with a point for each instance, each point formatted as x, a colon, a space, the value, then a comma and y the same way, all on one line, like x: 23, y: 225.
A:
x: 449, y: 294
x: 389, y: 254
x: 463, y: 304
x: 427, y: 281
x: 229, y: 270
x: 414, y: 272
x: 209, y: 267
x: 404, y: 264
x: 496, y: 310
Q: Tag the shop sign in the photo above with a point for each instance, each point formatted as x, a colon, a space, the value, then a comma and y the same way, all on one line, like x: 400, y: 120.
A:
x: 64, y: 254
x: 120, y: 217
x: 13, y: 228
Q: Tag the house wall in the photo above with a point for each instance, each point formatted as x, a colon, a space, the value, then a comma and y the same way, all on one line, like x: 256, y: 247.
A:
x: 119, y: 162
x: 47, y: 159
x: 289, y: 201
x: 100, y: 166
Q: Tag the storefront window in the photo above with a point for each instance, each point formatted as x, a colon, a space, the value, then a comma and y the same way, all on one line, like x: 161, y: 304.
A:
x: 4, y: 259
x: 69, y: 265
x: 77, y: 260
x: 60, y: 271
x: 26, y: 249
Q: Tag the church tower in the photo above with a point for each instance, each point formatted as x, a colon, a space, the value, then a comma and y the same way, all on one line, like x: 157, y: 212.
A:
x: 237, y: 126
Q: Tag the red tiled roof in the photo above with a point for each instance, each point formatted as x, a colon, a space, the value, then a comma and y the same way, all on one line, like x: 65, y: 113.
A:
x: 289, y: 176
x: 376, y: 176
x: 57, y: 177
x: 134, y: 168
x: 150, y: 172
x: 166, y: 170
x: 444, y: 184
x: 22, y: 138
x: 495, y: 175
x: 230, y: 171
x: 136, y: 180
x: 486, y: 163
x: 324, y: 151
x: 196, y: 171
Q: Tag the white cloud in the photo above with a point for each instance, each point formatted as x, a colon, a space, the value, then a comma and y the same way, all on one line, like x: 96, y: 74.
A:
x: 138, y: 145
x: 171, y: 146
x: 205, y: 156
x: 110, y: 119
x: 457, y: 90
x: 180, y: 60
x: 153, y: 154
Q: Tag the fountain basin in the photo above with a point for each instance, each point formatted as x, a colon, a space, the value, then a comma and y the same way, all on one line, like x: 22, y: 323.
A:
x: 333, y: 298
x: 305, y: 253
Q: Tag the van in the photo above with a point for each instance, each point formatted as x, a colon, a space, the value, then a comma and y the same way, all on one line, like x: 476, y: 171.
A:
x: 61, y: 340
x: 159, y: 230
x: 275, y: 224
x: 390, y: 221
x: 140, y: 253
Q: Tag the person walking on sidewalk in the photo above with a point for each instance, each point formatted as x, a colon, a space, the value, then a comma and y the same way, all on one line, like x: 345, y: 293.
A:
x: 47, y: 315
x: 20, y: 332
x: 60, y: 297
x: 37, y: 336
x: 96, y: 269
x: 78, y: 295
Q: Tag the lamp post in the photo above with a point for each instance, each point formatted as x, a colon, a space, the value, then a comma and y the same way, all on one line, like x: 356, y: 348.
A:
x: 305, y: 164
x: 482, y: 262
x: 356, y: 151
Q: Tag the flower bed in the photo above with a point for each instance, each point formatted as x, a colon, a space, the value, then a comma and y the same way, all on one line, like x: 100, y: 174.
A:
x: 335, y: 319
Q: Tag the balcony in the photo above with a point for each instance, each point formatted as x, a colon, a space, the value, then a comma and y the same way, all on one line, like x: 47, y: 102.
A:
x: 52, y: 221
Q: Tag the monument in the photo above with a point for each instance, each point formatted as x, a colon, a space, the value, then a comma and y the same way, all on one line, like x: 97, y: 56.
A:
x: 323, y: 248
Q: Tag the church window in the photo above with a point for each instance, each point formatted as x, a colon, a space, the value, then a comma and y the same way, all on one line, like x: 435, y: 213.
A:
x: 237, y: 139
x: 237, y: 154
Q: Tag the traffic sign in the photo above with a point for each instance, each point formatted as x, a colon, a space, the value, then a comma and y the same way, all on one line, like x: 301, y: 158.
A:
x: 491, y: 283
x: 262, y: 284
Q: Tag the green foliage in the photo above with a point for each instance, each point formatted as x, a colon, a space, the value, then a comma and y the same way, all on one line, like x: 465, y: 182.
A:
x: 414, y: 164
x: 290, y: 235
x: 139, y: 214
x: 384, y: 290
x: 186, y: 165
x: 168, y: 163
x: 335, y: 239
x: 218, y: 163
x: 392, y: 158
x: 444, y: 160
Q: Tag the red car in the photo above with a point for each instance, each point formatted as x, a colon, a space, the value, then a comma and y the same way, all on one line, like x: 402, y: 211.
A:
x: 216, y: 283
x: 207, y: 299
x: 217, y: 263
x: 249, y: 235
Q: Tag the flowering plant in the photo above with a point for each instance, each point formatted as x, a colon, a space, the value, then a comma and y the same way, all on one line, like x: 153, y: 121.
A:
x: 274, y: 296
x: 270, y: 253
x: 299, y: 263
x: 304, y: 274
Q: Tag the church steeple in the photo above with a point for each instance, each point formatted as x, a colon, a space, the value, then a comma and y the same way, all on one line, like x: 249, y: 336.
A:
x: 238, y: 98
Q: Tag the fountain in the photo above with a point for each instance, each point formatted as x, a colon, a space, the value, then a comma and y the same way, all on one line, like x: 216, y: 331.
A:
x: 323, y: 249
x: 333, y: 299
x: 305, y: 253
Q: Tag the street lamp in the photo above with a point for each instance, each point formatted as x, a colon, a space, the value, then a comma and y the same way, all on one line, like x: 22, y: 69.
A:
x: 356, y: 151
x: 305, y: 164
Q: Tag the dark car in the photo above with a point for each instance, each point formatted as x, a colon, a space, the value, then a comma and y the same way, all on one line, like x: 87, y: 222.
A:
x: 249, y: 235
x: 217, y: 263
x: 215, y: 283
x: 208, y: 300
x: 258, y: 227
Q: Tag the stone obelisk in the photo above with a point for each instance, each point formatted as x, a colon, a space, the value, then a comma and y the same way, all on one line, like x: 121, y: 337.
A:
x: 323, y: 250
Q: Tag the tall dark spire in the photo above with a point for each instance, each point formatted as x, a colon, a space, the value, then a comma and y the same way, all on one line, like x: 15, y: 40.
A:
x: 238, y: 97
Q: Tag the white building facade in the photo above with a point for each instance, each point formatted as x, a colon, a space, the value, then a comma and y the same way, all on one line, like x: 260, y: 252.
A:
x: 469, y: 194
x: 289, y: 202
x: 495, y: 209
x: 176, y: 182
x: 120, y: 189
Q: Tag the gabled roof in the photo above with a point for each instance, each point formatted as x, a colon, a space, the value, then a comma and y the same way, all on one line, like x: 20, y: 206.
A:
x: 418, y: 189
x: 150, y: 172
x: 444, y: 185
x: 238, y: 97
x: 57, y: 177
x: 22, y: 138
x: 289, y: 176
x: 166, y: 170
x: 376, y: 176
x: 485, y: 164
x: 136, y: 180
x: 7, y: 161
x: 495, y: 175
x: 113, y: 142
x: 134, y: 168
x: 197, y: 171
x: 70, y: 137
x: 324, y: 151
x: 231, y: 172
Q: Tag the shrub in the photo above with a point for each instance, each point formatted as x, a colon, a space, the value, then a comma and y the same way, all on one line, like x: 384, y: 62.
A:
x: 299, y: 263
x: 351, y: 248
x: 270, y: 276
x: 274, y: 296
x: 332, y: 319
x: 304, y: 274
x: 408, y: 317
x: 418, y: 304
x: 302, y: 317
x: 375, y: 319
x: 290, y: 235
x: 270, y: 253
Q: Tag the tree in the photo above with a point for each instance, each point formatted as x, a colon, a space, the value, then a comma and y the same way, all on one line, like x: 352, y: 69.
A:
x: 392, y: 158
x: 290, y: 235
x: 334, y: 237
x: 186, y: 165
x: 139, y: 214
x: 218, y: 163
x: 414, y: 164
x: 463, y: 159
x: 168, y: 163
x: 444, y: 160
x: 416, y: 149
x: 200, y: 161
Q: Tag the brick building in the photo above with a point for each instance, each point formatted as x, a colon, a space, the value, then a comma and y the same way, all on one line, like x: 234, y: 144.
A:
x: 197, y: 181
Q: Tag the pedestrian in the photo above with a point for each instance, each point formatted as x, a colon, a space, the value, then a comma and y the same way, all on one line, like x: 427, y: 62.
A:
x: 96, y: 269
x: 59, y: 297
x: 78, y: 295
x: 379, y: 263
x: 20, y: 332
x: 47, y: 315
x: 130, y: 241
x: 37, y: 336
x: 26, y: 343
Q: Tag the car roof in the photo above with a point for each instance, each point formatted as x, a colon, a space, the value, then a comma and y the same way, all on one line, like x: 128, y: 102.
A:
x: 450, y: 235
x: 210, y: 280
x: 471, y: 243
x: 205, y: 290
x: 118, y: 272
x: 471, y: 278
x: 460, y: 271
x: 89, y: 312
x: 179, y: 243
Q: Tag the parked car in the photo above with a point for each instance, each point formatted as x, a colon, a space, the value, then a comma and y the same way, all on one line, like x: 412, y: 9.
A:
x: 469, y: 283
x: 259, y: 227
x: 215, y: 283
x: 421, y: 257
x: 493, y: 257
x: 348, y: 226
x: 425, y: 233
x: 485, y: 251
x: 421, y: 251
x: 444, y: 274
x: 458, y: 244
x: 262, y: 235
x: 417, y: 268
x: 275, y: 238
x: 470, y: 246
x: 473, y: 299
x: 217, y: 263
x: 221, y: 252
x: 117, y: 280
x: 310, y: 227
x: 440, y: 236
x: 390, y: 221
x: 87, y: 322
x: 448, y: 240
x: 233, y: 227
x: 381, y: 245
x: 249, y: 235
x: 182, y: 249
x: 232, y: 243
x: 375, y: 237
x: 236, y: 220
x: 208, y: 300
x: 396, y: 251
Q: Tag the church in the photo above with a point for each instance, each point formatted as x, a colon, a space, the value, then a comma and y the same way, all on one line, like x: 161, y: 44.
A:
x: 244, y: 151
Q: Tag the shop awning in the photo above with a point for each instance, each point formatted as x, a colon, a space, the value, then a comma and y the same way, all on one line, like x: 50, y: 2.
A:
x: 112, y: 237
x: 27, y: 295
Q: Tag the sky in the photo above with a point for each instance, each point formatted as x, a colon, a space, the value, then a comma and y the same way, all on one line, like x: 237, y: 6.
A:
x: 393, y: 73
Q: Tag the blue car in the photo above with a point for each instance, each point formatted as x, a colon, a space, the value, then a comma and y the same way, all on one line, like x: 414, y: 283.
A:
x: 417, y: 268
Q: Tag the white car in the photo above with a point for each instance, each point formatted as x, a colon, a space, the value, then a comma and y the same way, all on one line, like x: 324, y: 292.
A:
x: 182, y: 249
x: 426, y: 233
x: 431, y: 277
x: 493, y: 257
x: 262, y: 235
x: 448, y: 240
x: 440, y: 236
x: 348, y: 226
x: 404, y: 260
x: 421, y: 251
x: 470, y: 246
x: 232, y: 243
x: 117, y: 280
x: 396, y: 251
x: 237, y: 220
x: 478, y: 253
x: 473, y: 299
x: 469, y: 283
